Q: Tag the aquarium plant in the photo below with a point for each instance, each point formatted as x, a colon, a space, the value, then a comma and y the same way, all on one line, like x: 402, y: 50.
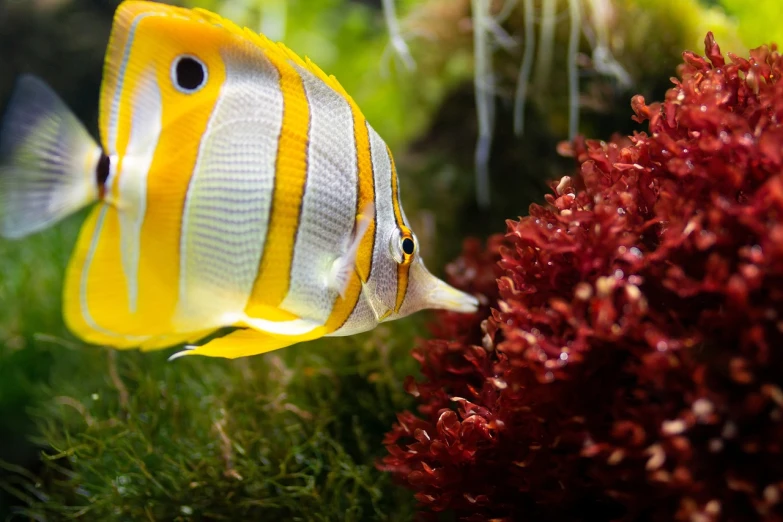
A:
x: 626, y: 365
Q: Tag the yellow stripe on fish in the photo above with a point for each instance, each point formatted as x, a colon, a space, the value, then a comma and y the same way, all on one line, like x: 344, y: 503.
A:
x: 273, y: 280
x: 407, y: 240
x: 237, y: 185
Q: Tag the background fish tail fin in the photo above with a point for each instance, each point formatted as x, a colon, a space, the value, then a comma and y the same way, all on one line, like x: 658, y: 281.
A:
x: 48, y: 161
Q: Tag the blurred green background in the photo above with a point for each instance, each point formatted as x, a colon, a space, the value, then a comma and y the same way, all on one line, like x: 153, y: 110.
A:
x: 293, y: 435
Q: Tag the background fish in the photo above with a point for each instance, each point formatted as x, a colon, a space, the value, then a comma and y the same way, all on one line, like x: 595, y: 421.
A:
x: 237, y: 185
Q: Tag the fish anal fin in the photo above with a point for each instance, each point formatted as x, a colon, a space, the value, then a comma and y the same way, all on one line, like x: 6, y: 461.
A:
x: 167, y: 341
x: 244, y: 343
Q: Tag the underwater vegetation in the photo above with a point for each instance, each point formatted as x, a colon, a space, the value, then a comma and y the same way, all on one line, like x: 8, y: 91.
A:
x: 625, y: 365
x: 290, y: 436
x: 617, y: 429
x: 569, y: 60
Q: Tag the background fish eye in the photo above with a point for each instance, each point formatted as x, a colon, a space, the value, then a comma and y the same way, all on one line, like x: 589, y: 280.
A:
x: 189, y: 74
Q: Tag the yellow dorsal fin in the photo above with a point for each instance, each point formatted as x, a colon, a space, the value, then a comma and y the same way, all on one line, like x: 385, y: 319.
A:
x: 129, y: 11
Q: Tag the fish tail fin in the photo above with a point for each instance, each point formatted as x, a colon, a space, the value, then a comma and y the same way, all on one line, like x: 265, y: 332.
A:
x: 48, y: 161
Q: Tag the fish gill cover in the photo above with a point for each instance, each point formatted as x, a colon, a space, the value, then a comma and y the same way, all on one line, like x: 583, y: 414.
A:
x: 626, y: 364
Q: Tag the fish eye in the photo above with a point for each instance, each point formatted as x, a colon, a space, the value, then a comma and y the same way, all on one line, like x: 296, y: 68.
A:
x: 408, y: 246
x: 189, y: 74
x: 402, y: 245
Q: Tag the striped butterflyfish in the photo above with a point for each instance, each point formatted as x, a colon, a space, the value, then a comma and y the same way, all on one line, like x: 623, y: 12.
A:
x: 235, y: 185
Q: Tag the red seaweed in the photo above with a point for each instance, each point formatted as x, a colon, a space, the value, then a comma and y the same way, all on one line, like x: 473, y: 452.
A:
x: 626, y: 363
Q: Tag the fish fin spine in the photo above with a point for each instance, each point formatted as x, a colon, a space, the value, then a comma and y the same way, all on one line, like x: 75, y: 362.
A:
x: 49, y: 164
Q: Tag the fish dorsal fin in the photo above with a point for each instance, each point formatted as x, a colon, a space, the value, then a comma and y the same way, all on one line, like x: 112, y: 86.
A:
x: 131, y: 12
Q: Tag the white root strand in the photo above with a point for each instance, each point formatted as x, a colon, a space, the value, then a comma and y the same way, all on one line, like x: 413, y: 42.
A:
x: 396, y: 40
x: 546, y: 44
x: 484, y: 89
x: 573, y: 71
x: 520, y: 97
x: 598, y: 37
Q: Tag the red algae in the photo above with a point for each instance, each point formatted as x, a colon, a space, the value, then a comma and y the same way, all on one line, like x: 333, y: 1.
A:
x: 627, y: 360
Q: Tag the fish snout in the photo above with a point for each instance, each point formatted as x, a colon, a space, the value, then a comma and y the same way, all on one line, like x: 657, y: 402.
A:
x: 445, y: 297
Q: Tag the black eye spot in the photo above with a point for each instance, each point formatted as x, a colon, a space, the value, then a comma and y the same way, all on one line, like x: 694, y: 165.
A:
x: 407, y: 246
x: 190, y: 74
x: 102, y: 169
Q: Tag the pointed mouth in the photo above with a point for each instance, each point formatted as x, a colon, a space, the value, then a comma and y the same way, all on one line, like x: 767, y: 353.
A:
x: 446, y: 297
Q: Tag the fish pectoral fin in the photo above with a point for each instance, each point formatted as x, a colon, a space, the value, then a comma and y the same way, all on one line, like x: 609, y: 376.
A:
x: 343, y: 266
x: 244, y: 343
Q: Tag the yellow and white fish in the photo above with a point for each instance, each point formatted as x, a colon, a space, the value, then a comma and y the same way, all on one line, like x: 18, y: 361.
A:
x: 237, y: 185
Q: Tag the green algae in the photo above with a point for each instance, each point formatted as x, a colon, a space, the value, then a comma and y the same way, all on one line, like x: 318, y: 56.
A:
x: 291, y: 435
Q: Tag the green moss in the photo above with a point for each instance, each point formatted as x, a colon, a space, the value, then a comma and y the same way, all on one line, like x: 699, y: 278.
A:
x: 288, y: 436
x: 30, y: 325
